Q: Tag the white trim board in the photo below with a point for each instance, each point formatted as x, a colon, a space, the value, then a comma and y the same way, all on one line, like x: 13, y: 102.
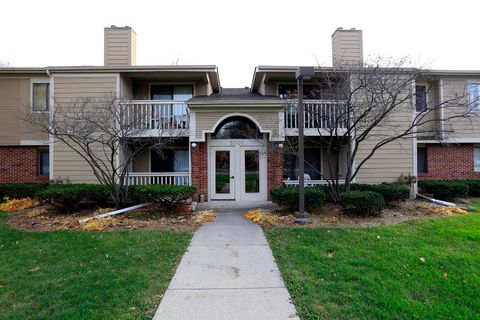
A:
x: 34, y: 142
x: 452, y: 140
x: 236, y: 114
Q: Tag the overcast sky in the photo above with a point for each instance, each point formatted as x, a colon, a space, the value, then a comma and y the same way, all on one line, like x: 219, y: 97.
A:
x: 239, y: 35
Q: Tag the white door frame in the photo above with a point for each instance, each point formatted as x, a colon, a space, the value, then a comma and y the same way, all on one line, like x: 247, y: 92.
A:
x: 237, y: 163
x: 212, y: 170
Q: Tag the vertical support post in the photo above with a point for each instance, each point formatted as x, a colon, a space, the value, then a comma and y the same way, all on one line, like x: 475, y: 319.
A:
x: 301, y: 149
x: 301, y: 216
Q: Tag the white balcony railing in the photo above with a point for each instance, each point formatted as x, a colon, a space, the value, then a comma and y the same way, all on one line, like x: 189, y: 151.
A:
x: 156, y: 114
x: 144, y: 178
x: 318, y: 114
x: 309, y: 183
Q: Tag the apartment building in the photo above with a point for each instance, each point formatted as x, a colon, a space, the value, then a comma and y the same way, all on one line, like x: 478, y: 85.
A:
x: 231, y: 143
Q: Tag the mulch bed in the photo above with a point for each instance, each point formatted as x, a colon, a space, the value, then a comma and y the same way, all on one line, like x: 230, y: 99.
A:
x: 332, y: 215
x: 140, y: 219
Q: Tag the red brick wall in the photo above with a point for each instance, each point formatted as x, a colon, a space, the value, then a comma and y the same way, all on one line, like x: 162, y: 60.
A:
x: 275, y: 166
x: 449, y: 162
x: 200, y: 170
x: 20, y: 164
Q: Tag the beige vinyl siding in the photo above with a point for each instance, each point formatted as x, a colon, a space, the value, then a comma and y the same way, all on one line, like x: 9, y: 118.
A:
x: 14, y: 106
x: 120, y: 46
x: 347, y: 47
x: 126, y: 87
x: 462, y: 127
x: 391, y: 160
x: 133, y: 48
x: 141, y: 163
x: 67, y: 164
x: 207, y: 117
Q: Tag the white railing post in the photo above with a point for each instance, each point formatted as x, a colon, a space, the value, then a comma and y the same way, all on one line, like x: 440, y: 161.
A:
x: 145, y: 178
x: 319, y: 114
x: 157, y: 114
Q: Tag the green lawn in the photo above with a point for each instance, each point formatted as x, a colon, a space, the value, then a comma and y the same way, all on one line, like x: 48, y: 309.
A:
x: 85, y: 275
x: 377, y: 273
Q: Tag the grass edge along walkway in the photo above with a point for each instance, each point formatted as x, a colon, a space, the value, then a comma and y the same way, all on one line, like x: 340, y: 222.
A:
x: 85, y: 275
x: 426, y: 269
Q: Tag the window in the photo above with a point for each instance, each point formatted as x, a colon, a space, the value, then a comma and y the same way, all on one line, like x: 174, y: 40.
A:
x: 474, y: 90
x: 171, y: 92
x: 312, y: 165
x: 476, y: 159
x: 171, y: 160
x: 40, y: 97
x: 422, y: 159
x: 237, y: 128
x: 44, y: 162
x: 421, y: 98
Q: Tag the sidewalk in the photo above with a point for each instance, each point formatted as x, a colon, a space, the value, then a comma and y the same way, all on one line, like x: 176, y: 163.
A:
x: 228, y: 272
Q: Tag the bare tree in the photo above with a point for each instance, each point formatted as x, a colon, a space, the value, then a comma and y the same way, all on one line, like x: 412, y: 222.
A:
x: 108, y: 134
x: 365, y: 109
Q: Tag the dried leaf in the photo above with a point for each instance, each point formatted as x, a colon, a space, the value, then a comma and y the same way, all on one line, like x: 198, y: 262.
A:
x: 10, y: 205
x: 205, y: 216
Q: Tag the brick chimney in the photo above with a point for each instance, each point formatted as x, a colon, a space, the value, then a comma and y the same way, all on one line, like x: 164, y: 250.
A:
x: 120, y: 48
x: 347, y: 47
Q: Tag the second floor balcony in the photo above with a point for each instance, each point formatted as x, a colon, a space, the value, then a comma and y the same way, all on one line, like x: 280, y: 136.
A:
x: 157, y: 117
x: 319, y: 115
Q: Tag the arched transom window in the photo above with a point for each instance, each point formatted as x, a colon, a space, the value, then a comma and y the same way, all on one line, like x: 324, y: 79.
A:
x: 237, y: 128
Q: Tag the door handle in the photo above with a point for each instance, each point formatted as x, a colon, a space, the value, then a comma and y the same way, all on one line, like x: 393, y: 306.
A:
x: 232, y: 177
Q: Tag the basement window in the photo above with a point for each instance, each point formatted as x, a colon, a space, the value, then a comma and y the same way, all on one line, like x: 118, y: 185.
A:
x: 40, y: 97
x: 476, y: 159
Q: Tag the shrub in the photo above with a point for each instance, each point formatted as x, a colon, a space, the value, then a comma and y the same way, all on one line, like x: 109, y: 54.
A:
x: 288, y: 197
x: 362, y: 203
x: 69, y: 196
x: 165, y: 195
x: 391, y: 192
x: 20, y: 190
x: 444, y: 189
x: 473, y: 187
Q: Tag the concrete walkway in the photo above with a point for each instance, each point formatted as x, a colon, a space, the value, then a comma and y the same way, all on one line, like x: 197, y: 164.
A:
x: 228, y: 272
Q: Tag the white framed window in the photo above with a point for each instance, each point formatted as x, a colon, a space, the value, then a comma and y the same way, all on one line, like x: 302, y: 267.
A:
x: 474, y: 95
x: 40, y: 95
x: 476, y: 159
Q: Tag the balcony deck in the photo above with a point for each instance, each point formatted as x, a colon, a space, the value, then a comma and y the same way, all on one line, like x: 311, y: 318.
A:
x: 150, y: 118
x: 157, y: 117
x: 319, y: 115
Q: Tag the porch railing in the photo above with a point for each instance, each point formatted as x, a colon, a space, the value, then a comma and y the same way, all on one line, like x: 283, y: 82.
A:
x: 156, y: 114
x: 321, y: 114
x: 309, y: 183
x: 144, y: 178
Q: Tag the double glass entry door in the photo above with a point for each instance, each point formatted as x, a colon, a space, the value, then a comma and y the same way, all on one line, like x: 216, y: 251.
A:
x: 238, y: 173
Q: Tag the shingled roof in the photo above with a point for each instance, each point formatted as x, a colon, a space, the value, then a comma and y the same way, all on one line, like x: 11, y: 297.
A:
x: 234, y: 95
